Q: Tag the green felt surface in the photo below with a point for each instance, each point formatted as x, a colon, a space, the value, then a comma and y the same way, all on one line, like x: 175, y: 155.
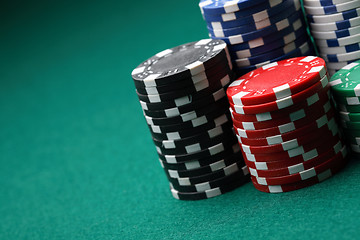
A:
x: 77, y: 160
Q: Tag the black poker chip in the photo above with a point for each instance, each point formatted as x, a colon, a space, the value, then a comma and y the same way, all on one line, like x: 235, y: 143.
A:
x: 179, y: 62
x: 210, y: 75
x: 199, y: 143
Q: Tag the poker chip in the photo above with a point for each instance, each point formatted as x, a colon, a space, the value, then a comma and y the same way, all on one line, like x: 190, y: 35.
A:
x: 304, y: 50
x: 342, y: 57
x: 205, y: 184
x: 291, y: 144
x: 338, y: 65
x: 249, y: 15
x: 276, y: 53
x: 299, y: 120
x: 335, y: 27
x: 336, y: 34
x: 214, y: 7
x: 319, y: 3
x: 349, y: 116
x: 298, y: 154
x: 307, y: 182
x: 291, y: 164
x: 338, y: 16
x: 220, y: 165
x: 346, y: 82
x: 280, y: 138
x: 332, y: 162
x: 195, y: 165
x: 308, y: 107
x: 223, y: 174
x: 182, y: 95
x: 210, y: 193
x: 253, y: 88
x: 281, y: 113
x: 259, y: 32
x: 336, y: 8
x: 344, y: 86
x: 336, y: 42
x: 281, y: 102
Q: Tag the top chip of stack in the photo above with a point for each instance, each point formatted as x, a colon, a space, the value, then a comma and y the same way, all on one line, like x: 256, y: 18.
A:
x: 182, y: 94
x: 281, y: 113
x: 257, y: 31
x: 335, y: 26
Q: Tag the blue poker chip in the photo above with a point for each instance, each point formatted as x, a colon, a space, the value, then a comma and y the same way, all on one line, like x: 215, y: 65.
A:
x: 274, y: 27
x: 336, y: 42
x: 337, y: 65
x: 248, y: 17
x: 334, y: 17
x: 252, y: 26
x: 244, y: 12
x: 343, y: 49
x: 342, y: 57
x: 336, y: 34
x: 214, y: 7
x: 218, y: 29
x: 333, y: 26
x: 268, y: 41
x: 319, y: 3
x: 280, y: 43
x: 273, y: 54
x: 284, y: 26
x: 305, y: 50
x: 331, y: 9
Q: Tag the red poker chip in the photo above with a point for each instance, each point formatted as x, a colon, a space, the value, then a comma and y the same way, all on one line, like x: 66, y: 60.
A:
x: 334, y: 162
x: 300, y: 159
x: 291, y: 144
x: 276, y: 80
x: 276, y: 139
x: 301, y: 151
x: 292, y: 168
x: 317, y: 99
x: 286, y: 127
x: 284, y: 102
x: 301, y: 184
x: 301, y: 117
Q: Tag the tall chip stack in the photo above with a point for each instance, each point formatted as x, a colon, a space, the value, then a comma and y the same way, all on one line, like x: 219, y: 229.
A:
x: 285, y: 124
x: 335, y: 26
x: 182, y: 94
x: 258, y: 32
x: 345, y: 85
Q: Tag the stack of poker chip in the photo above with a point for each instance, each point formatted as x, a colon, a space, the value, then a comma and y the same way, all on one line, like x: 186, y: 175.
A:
x: 345, y: 87
x: 335, y: 26
x: 182, y: 92
x: 284, y: 121
x: 258, y: 32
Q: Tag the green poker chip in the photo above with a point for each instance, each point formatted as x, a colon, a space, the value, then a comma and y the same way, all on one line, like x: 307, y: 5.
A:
x: 349, y: 116
x: 348, y: 108
x: 352, y: 139
x: 351, y: 125
x: 347, y: 100
x: 355, y: 133
x: 346, y: 81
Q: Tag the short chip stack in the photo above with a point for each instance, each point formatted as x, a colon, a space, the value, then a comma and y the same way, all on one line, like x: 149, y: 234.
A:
x: 335, y: 26
x: 345, y: 87
x: 258, y: 31
x: 285, y: 124
x: 182, y: 94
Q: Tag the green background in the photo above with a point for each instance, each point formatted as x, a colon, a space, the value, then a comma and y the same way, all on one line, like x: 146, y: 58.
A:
x: 77, y: 160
